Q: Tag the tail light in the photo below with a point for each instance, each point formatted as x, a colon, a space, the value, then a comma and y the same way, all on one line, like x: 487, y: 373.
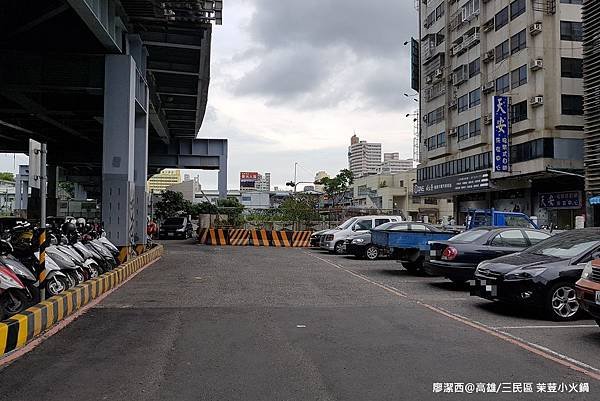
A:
x: 449, y: 253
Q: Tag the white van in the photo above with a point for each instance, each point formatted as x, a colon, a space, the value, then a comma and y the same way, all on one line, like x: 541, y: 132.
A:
x: 333, y: 240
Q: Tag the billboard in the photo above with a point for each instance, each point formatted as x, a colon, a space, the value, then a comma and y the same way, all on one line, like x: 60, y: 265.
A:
x: 415, y: 64
x: 500, y: 125
x: 248, y: 179
x: 463, y: 183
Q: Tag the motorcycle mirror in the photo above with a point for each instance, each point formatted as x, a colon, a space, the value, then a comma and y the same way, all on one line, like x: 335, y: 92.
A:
x: 5, y: 247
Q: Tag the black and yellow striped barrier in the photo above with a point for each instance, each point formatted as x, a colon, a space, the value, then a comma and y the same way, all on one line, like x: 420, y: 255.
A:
x: 281, y: 239
x: 217, y: 236
x: 301, y: 239
x: 19, y: 329
x: 241, y: 237
x: 260, y: 238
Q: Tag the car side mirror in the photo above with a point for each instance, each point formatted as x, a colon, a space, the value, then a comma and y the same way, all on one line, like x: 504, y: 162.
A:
x: 596, y: 255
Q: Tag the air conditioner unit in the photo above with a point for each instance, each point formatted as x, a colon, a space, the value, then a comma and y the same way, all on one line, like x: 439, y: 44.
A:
x: 537, y: 101
x: 487, y: 119
x: 488, y: 87
x: 488, y: 26
x: 453, y: 132
x: 536, y: 64
x: 535, y: 28
x: 457, y: 49
x: 439, y: 73
x: 488, y: 56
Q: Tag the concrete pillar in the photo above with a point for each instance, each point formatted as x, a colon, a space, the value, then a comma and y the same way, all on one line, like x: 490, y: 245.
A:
x: 118, y: 187
x: 140, y: 176
x: 223, y: 174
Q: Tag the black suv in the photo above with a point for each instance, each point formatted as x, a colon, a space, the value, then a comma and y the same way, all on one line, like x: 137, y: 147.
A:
x: 175, y: 227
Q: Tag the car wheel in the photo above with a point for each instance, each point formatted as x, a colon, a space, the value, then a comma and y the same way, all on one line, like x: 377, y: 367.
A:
x: 372, y: 252
x: 339, y: 248
x: 413, y: 267
x: 561, y: 302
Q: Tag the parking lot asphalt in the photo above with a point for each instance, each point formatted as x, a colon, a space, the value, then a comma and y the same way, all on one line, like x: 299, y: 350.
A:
x: 244, y: 323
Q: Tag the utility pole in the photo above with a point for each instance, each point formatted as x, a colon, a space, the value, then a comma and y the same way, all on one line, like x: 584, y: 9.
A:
x: 295, y: 175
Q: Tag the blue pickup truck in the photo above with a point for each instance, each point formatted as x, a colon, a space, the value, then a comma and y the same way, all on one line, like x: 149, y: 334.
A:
x: 408, y: 242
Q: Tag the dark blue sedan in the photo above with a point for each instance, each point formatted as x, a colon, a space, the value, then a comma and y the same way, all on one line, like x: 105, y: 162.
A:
x: 458, y: 257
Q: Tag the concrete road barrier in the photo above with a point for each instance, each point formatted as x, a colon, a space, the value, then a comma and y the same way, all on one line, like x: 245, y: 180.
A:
x: 241, y: 237
x: 301, y: 239
x: 18, y: 330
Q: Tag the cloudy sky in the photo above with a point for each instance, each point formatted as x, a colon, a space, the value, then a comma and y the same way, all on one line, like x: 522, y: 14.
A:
x: 292, y: 80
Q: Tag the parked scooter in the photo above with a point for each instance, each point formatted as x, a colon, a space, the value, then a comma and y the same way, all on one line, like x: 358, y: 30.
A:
x: 14, y: 297
x: 67, y: 266
x: 27, y: 276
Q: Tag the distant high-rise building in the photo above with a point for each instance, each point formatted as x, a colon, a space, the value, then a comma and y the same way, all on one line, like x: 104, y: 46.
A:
x: 159, y: 182
x: 264, y: 182
x: 391, y: 156
x: 392, y: 164
x: 363, y: 157
x: 318, y: 177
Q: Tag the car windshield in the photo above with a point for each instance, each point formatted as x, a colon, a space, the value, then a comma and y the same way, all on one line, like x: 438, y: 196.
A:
x: 565, y: 246
x: 347, y: 223
x: 172, y: 221
x: 469, y: 236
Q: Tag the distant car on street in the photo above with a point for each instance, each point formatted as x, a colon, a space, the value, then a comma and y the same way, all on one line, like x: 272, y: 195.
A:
x: 543, y: 275
x: 175, y: 227
x: 333, y: 240
x: 457, y: 258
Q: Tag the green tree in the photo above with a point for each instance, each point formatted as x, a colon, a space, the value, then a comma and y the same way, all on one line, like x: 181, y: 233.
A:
x: 233, y: 209
x: 7, y: 176
x: 300, y: 207
x: 171, y: 204
x: 338, y: 185
x: 68, y: 187
x: 196, y: 209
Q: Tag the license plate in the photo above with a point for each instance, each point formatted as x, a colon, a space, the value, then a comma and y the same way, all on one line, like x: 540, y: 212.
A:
x: 598, y: 297
x: 434, y: 252
x: 170, y: 234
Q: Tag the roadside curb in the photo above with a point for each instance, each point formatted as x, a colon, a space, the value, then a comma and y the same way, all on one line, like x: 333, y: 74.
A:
x: 18, y: 330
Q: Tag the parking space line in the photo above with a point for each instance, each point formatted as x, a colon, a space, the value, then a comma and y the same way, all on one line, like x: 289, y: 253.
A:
x: 569, y: 326
x: 534, y: 348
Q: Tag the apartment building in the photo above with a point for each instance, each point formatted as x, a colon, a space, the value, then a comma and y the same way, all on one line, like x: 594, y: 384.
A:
x: 364, y: 158
x: 529, y: 51
x: 159, y: 182
x: 392, y: 164
x: 393, y: 193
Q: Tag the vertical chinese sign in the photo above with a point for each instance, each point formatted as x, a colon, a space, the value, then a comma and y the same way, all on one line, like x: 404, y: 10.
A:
x: 501, y: 153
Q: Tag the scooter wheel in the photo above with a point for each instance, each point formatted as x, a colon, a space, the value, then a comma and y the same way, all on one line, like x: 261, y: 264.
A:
x: 56, y: 285
x: 14, y: 301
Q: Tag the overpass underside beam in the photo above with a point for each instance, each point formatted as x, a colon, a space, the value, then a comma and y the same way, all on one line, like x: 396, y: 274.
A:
x: 204, y: 154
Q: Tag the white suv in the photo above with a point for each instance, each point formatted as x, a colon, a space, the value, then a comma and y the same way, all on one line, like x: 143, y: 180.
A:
x: 333, y: 240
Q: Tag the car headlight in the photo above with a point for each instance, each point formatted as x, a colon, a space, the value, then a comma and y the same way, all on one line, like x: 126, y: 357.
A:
x: 480, y: 266
x: 524, y: 274
x: 358, y: 241
x: 587, y: 270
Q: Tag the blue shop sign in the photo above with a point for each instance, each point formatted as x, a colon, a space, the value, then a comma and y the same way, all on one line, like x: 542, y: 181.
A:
x: 500, y: 123
x: 561, y: 200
